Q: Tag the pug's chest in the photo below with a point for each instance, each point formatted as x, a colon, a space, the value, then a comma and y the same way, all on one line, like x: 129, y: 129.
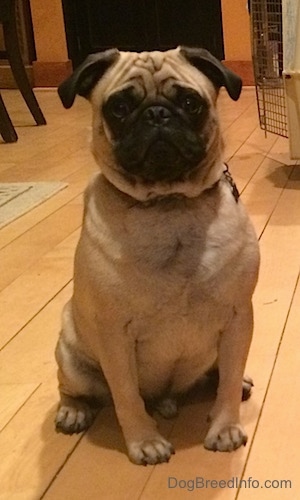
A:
x: 182, y: 261
x: 180, y: 252
x: 165, y: 251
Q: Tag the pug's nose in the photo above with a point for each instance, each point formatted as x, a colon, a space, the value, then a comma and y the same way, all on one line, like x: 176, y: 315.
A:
x: 157, y: 115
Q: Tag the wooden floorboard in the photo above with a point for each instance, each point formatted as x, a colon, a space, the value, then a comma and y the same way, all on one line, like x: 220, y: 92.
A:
x: 36, y: 259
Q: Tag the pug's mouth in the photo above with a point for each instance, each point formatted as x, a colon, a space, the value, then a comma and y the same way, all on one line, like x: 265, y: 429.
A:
x: 160, y: 160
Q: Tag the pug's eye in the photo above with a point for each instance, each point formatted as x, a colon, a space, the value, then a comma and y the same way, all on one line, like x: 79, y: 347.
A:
x: 191, y: 104
x: 120, y: 108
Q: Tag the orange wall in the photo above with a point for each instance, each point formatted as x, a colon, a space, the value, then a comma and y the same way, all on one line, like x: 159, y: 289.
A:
x: 236, y: 30
x: 49, y: 31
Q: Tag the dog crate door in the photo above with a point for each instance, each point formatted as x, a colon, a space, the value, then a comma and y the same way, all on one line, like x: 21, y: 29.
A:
x: 267, y: 53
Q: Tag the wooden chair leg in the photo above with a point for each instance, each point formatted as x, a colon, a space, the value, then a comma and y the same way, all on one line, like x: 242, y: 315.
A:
x: 6, y: 127
x: 15, y: 59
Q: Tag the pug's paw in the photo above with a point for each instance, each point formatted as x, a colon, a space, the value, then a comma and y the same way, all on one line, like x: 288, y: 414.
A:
x: 150, y: 451
x: 74, y: 419
x: 167, y: 408
x: 228, y: 438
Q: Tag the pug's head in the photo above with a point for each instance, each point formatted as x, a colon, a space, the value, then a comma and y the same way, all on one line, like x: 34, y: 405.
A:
x: 155, y: 124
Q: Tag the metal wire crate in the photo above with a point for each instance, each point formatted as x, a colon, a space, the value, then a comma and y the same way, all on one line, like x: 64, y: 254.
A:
x: 267, y: 54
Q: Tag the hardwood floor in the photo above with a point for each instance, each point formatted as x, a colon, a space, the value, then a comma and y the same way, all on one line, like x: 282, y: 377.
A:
x: 36, y: 260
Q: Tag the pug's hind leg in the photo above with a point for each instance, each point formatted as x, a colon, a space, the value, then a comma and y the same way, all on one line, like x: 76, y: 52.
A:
x: 82, y: 390
x: 247, y: 387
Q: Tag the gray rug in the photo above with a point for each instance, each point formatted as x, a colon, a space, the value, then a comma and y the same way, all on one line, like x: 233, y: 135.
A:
x: 18, y: 198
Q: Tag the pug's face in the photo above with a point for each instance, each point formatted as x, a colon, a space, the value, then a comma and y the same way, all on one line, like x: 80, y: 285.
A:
x: 155, y: 124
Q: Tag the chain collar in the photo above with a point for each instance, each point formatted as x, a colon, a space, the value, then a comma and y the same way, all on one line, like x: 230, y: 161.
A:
x: 229, y: 179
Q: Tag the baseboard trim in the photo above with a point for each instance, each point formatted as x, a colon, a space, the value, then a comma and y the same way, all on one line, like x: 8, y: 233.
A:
x: 50, y: 74
x: 7, y: 80
x: 244, y: 69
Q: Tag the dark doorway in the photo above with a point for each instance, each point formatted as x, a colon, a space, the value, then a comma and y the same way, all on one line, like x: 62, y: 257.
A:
x: 95, y: 25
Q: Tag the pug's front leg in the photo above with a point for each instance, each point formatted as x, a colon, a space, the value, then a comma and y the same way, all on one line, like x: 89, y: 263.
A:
x: 118, y: 361
x: 226, y: 432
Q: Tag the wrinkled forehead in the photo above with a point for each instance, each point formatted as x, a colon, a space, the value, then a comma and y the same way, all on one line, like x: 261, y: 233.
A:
x: 152, y: 74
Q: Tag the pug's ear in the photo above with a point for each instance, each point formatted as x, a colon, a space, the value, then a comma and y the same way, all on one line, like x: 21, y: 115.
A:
x: 85, y: 77
x: 221, y: 76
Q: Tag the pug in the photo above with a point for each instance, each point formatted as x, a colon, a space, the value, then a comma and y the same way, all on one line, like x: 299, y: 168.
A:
x: 167, y: 260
